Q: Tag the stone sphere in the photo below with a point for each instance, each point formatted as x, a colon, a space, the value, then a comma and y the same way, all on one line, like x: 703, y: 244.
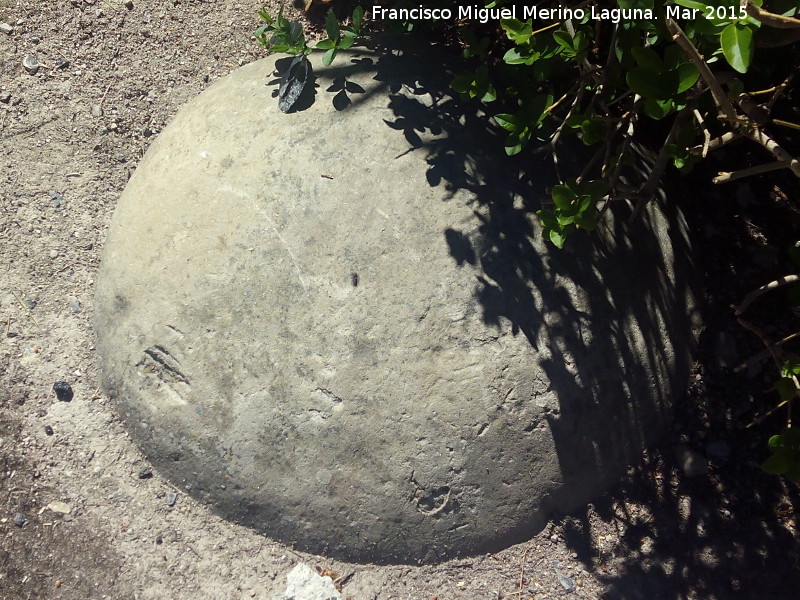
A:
x: 342, y: 326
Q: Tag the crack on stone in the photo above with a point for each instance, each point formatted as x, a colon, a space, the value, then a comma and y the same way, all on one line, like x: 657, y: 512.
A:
x: 166, y: 366
x: 330, y: 395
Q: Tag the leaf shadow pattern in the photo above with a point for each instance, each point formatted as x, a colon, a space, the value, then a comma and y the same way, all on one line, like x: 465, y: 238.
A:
x: 635, y: 285
x: 340, y: 87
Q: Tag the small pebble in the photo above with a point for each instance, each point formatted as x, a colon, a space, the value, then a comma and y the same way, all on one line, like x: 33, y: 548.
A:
x: 172, y: 498
x: 19, y: 519
x: 5, y: 97
x: 62, y: 63
x: 121, y: 159
x: 48, y: 430
x: 53, y: 253
x: 129, y: 5
x: 75, y: 306
x: 31, y: 64
x: 97, y: 110
x: 6, y: 28
x: 146, y: 473
x: 159, y: 539
x: 31, y: 303
x: 63, y: 391
x: 57, y: 198
x: 41, y: 412
x: 554, y: 538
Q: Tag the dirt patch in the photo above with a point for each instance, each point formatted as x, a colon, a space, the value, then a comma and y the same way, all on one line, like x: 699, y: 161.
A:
x: 111, y: 75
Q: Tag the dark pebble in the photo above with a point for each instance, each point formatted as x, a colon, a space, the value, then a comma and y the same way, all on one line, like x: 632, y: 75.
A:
x: 31, y: 303
x: 354, y: 279
x: 48, y: 430
x: 129, y: 5
x: 57, y: 198
x: 146, y: 473
x: 62, y: 63
x: 121, y: 159
x: 41, y: 412
x: 172, y: 498
x: 19, y: 519
x: 159, y: 540
x: 63, y: 391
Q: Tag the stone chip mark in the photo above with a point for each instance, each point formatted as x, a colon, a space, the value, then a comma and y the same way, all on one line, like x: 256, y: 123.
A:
x: 159, y: 360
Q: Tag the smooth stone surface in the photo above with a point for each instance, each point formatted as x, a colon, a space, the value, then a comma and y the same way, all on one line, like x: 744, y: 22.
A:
x: 342, y: 326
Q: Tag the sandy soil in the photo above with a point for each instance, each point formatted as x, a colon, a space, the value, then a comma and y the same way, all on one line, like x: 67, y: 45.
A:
x: 97, y: 523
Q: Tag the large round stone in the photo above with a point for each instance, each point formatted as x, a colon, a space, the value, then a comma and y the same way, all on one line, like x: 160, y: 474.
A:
x: 342, y: 325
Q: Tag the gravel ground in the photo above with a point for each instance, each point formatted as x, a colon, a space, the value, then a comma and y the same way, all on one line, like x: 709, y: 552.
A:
x: 81, y: 516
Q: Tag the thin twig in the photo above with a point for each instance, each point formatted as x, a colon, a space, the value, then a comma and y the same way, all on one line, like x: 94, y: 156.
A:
x: 725, y: 138
x: 779, y: 91
x: 771, y: 19
x: 763, y: 354
x: 772, y: 146
x: 711, y: 81
x: 755, y: 294
x: 706, y: 133
x: 726, y: 176
x: 22, y: 304
x: 774, y: 350
x: 783, y: 123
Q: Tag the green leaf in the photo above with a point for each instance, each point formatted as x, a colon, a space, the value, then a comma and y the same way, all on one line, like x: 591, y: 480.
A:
x: 562, y: 197
x: 332, y: 25
x: 701, y: 6
x: 563, y: 39
x: 558, y: 238
x: 687, y: 76
x: 648, y: 58
x: 515, y: 57
x: 737, y: 46
x: 490, y: 95
x: 517, y: 31
x: 462, y: 83
x: 358, y: 19
x: 791, y: 367
x: 785, y: 388
x: 507, y: 121
x: 593, y: 131
x: 649, y: 84
x: 325, y: 45
x: 346, y: 42
x: 547, y: 218
x: 328, y: 57
x: 777, y: 464
x: 657, y: 109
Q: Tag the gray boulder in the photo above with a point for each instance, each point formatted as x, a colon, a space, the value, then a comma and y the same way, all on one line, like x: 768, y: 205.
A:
x: 341, y: 325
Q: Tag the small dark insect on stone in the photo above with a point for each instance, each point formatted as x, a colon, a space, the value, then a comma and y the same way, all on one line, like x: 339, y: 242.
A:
x: 63, y: 391
x: 354, y: 279
x: 48, y: 430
